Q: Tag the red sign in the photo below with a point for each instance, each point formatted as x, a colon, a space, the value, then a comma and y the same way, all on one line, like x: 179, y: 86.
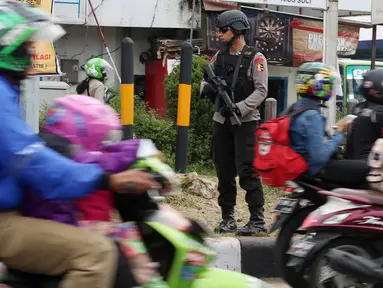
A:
x: 308, y: 40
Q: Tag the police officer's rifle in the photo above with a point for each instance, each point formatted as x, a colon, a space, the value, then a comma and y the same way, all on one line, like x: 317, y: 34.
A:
x: 221, y: 86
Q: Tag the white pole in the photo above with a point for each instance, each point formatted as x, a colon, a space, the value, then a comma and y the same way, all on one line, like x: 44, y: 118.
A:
x: 32, y: 102
x: 330, y: 38
x: 192, y: 23
x: 113, y: 64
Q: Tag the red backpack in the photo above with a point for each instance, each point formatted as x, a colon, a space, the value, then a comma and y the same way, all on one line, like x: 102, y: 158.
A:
x: 275, y: 160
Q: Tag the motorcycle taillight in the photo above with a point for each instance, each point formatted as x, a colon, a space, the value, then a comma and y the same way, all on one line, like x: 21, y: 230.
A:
x: 310, y: 220
x: 292, y: 187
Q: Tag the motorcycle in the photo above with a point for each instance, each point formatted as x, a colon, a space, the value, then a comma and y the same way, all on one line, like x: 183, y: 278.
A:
x: 302, y: 198
x: 350, y: 221
x: 175, y: 242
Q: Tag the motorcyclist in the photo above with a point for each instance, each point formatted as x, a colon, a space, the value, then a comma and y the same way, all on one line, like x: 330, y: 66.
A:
x: 367, y: 128
x: 35, y: 245
x: 99, y: 73
x: 102, y: 145
x: 315, y: 83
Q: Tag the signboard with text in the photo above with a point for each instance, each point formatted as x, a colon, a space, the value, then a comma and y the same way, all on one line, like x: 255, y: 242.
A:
x: 308, y: 40
x: 314, y: 4
x: 44, y: 56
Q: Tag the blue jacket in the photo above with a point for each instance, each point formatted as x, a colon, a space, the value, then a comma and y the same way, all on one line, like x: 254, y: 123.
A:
x: 307, y: 134
x: 26, y: 162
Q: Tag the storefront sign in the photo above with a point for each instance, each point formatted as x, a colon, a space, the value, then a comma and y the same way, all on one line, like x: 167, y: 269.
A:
x: 308, y: 40
x: 44, y: 56
x: 313, y: 4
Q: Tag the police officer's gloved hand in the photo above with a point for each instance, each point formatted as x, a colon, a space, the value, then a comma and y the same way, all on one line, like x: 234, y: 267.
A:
x: 209, y: 91
x: 226, y: 112
x: 229, y: 112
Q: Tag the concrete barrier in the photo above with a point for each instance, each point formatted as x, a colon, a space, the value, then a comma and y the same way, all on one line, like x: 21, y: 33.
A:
x: 253, y: 256
x: 228, y: 253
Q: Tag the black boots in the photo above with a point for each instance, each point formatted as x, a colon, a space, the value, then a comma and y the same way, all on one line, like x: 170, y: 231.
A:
x: 256, y: 223
x: 253, y: 227
x: 228, y: 223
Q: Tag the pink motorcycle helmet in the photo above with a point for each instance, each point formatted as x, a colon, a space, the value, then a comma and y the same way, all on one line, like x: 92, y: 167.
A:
x: 84, y: 121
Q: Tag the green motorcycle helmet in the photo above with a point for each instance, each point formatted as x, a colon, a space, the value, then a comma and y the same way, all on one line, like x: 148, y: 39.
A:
x: 100, y: 69
x: 21, y: 24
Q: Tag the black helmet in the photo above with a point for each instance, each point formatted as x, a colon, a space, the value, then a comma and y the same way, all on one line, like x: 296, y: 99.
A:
x: 372, y: 87
x: 234, y: 19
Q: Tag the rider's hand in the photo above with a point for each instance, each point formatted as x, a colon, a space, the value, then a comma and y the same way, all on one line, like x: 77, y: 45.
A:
x: 343, y: 124
x: 142, y: 181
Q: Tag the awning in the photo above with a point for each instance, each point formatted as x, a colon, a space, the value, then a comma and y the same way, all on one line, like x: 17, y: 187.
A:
x: 216, y: 5
x: 367, y: 44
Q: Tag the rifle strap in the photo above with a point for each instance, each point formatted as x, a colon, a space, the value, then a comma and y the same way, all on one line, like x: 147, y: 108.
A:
x: 237, y: 66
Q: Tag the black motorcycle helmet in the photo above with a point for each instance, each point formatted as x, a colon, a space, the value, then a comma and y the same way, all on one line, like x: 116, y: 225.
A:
x: 372, y: 86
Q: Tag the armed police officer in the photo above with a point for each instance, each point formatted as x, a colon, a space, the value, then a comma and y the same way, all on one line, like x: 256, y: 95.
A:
x: 245, y: 71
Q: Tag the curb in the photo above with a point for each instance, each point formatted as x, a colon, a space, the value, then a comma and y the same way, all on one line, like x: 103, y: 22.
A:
x: 252, y: 256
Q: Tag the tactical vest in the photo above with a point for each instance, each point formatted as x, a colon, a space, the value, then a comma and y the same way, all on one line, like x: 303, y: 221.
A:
x: 225, y: 65
x: 366, y: 129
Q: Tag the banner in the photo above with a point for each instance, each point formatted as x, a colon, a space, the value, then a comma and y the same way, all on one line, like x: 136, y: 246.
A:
x: 44, y: 57
x: 271, y: 34
x: 308, y: 40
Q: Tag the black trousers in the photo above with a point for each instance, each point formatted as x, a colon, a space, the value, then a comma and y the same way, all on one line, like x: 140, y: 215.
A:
x: 347, y: 173
x: 233, y: 154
